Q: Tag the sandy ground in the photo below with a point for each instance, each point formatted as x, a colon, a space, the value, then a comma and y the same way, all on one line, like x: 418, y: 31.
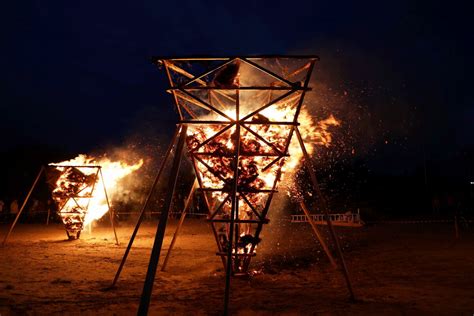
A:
x: 396, y: 270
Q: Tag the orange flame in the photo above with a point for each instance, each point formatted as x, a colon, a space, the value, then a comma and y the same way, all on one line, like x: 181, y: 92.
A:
x: 216, y: 171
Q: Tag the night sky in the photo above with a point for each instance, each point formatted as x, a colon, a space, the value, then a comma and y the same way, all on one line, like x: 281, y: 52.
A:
x: 77, y: 75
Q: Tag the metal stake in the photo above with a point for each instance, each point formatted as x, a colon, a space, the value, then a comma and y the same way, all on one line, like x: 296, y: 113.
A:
x: 160, y: 232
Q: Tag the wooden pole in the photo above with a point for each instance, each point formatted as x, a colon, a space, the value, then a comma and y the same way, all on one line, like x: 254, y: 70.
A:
x: 89, y: 226
x: 145, y: 205
x: 181, y: 221
x: 234, y: 210
x: 160, y: 232
x: 24, y: 204
x: 325, y: 210
x: 111, y: 211
x: 318, y: 234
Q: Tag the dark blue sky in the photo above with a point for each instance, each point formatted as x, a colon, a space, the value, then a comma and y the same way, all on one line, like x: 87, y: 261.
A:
x: 77, y: 74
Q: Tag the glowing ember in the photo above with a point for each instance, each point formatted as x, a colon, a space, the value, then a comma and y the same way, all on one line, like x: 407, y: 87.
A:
x: 79, y: 193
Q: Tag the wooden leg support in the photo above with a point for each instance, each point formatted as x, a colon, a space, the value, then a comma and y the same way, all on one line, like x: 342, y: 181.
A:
x: 181, y: 221
x: 325, y: 209
x: 318, y: 234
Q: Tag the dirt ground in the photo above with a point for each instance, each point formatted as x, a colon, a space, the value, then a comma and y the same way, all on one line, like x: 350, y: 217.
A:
x: 395, y: 269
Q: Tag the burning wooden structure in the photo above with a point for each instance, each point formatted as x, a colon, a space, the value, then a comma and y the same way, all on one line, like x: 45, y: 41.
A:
x: 237, y: 118
x: 74, y: 190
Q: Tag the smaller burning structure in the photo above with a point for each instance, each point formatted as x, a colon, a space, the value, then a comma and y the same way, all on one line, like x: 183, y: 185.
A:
x: 72, y: 194
x: 74, y: 189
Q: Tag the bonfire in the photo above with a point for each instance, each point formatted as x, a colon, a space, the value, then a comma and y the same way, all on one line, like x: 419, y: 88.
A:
x: 82, y: 187
x: 241, y: 117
